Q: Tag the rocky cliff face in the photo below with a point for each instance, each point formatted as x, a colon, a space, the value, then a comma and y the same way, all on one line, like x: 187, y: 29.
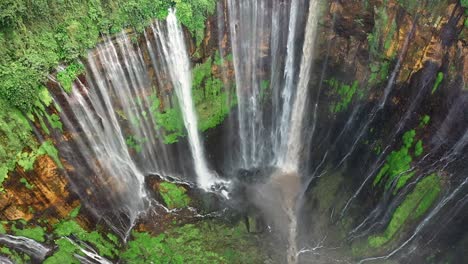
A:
x: 42, y: 192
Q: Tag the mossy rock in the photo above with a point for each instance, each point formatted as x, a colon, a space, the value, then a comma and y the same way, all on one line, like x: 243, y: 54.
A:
x: 174, y: 196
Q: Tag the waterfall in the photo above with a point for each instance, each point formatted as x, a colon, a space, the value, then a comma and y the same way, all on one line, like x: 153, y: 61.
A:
x: 289, y: 75
x: 178, y: 66
x: 246, y: 24
x: 113, y: 118
x: 260, y: 32
x: 251, y: 32
x: 29, y: 246
x: 293, y: 152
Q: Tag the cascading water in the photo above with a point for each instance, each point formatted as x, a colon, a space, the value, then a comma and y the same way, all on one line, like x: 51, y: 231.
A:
x: 29, y: 246
x: 178, y: 65
x: 251, y: 34
x: 293, y: 152
x: 115, y: 112
x: 288, y: 95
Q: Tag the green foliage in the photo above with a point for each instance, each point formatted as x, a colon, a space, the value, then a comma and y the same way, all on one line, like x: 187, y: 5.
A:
x: 379, y: 72
x: 64, y: 254
x: 413, y: 207
x: 54, y: 121
x: 193, y: 13
x: 67, y: 76
x: 27, y: 159
x: 174, y: 196
x: 424, y: 121
x: 464, y: 3
x: 204, y: 242
x: 48, y: 148
x: 374, y: 39
x: 10, y: 12
x: 44, y: 96
x: 15, y: 135
x: 344, y: 92
x: 146, y: 249
x: 36, y: 233
x: 18, y: 85
x: 74, y: 213
x: 379, y: 41
x: 439, y: 79
x: 418, y: 148
x: 135, y: 143
x: 17, y: 145
x: 36, y: 35
x: 170, y: 120
x: 26, y: 184
x: 14, y: 255
x: 103, y: 245
x: 211, y: 101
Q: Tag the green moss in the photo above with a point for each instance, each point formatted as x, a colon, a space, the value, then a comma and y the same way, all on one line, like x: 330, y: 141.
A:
x: 402, y: 180
x: 418, y: 148
x: 424, y: 121
x: 413, y: 207
x: 439, y: 79
x: 212, y: 105
x: 26, y: 160
x: 379, y: 41
x: 174, y: 196
x: 398, y: 162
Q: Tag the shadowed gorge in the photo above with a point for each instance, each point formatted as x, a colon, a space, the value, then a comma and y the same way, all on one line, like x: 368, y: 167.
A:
x: 234, y: 131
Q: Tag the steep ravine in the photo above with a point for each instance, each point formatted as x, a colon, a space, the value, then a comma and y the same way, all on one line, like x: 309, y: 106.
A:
x: 379, y: 174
